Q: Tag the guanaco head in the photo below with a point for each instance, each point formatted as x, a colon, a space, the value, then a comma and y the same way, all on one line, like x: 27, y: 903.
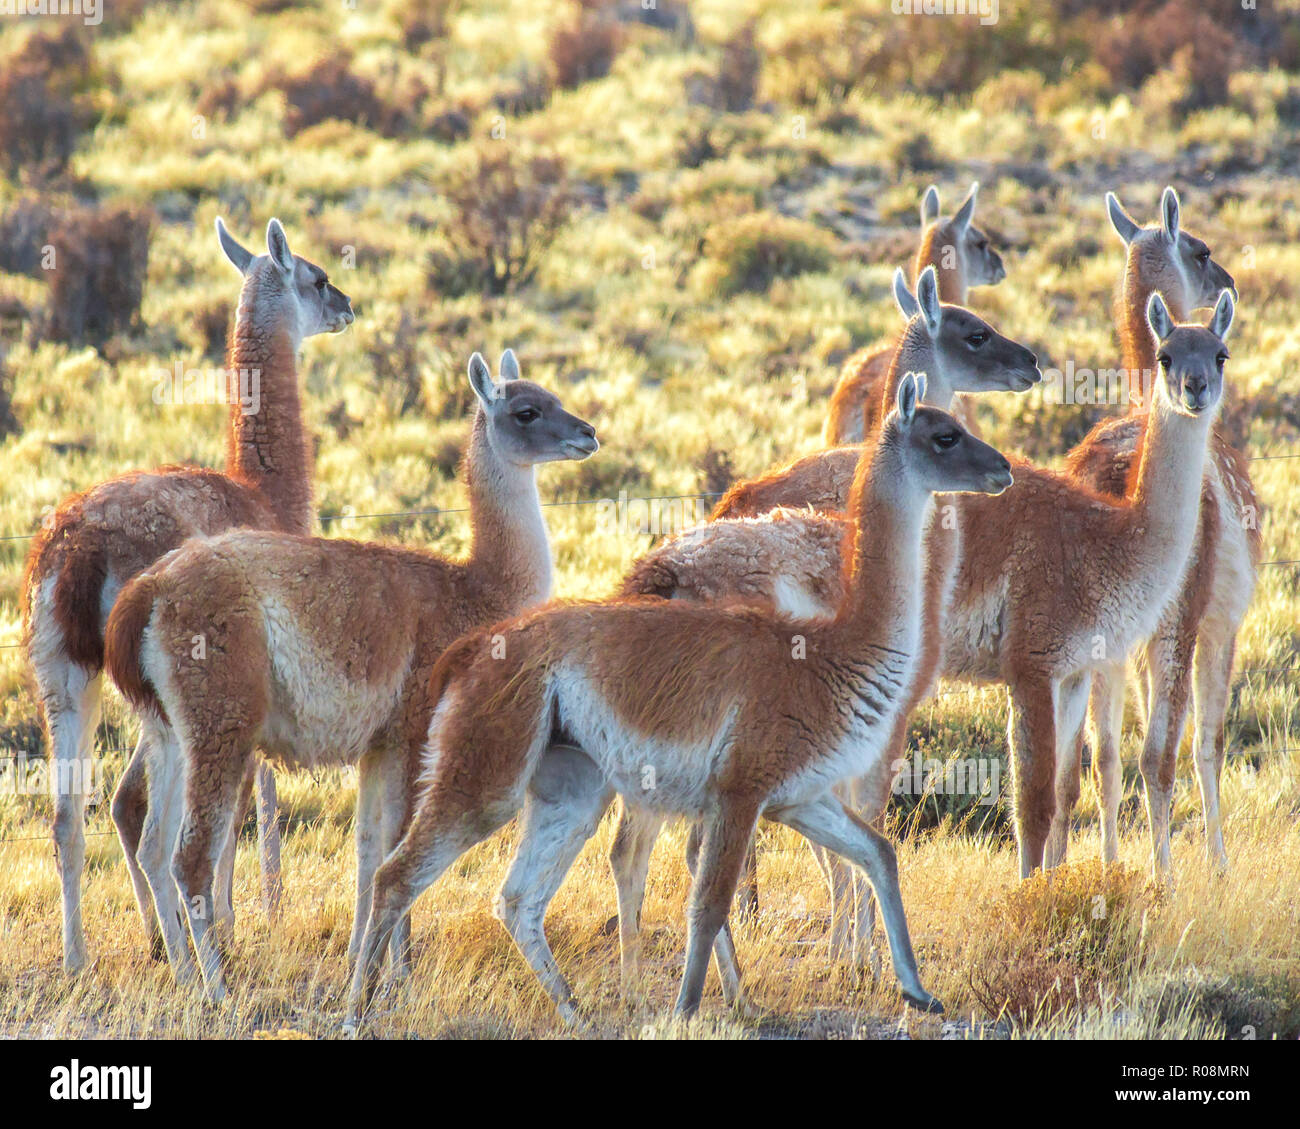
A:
x: 1191, y: 357
x: 286, y: 289
x: 526, y: 424
x: 956, y: 244
x: 941, y: 456
x: 969, y: 354
x: 1170, y: 260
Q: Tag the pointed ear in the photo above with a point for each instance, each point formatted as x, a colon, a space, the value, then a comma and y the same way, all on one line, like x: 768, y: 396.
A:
x: 904, y: 297
x: 1120, y: 219
x: 277, y: 246
x: 481, y: 380
x: 509, y: 367
x: 929, y: 206
x: 927, y: 298
x: 908, y: 394
x: 236, y: 253
x: 1169, y: 214
x: 1162, y: 325
x: 961, y: 219
x: 1221, y: 322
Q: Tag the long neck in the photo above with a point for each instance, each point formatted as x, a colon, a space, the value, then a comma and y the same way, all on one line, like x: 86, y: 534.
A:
x: 947, y: 264
x: 1136, y: 340
x: 915, y: 353
x: 512, y: 551
x: 1167, y: 488
x: 882, y: 607
x: 266, y: 445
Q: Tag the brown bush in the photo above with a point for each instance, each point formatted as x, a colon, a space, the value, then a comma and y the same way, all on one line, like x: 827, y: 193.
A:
x: 1060, y: 942
x: 507, y: 212
x: 585, y: 49
x: 424, y: 21
x: 97, y: 284
x: 1179, y: 32
x: 24, y: 230
x: 330, y: 90
x: 396, y: 364
x: 43, y: 117
x: 9, y: 424
x: 738, y: 74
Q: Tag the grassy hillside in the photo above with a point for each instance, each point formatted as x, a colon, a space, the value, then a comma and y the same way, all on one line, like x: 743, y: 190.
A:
x: 682, y: 221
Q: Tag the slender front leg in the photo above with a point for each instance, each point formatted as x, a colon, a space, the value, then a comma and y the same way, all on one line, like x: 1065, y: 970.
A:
x: 1032, y: 741
x: 1213, y: 672
x: 1168, y: 657
x: 828, y: 822
x: 566, y: 798
x: 369, y: 837
x: 1106, y: 709
x: 629, y: 860
x: 130, y: 808
x: 1071, y: 711
x: 727, y: 833
x: 724, y: 948
x: 268, y: 840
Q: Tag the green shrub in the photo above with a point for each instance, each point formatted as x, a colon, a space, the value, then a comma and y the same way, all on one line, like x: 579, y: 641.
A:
x: 751, y: 251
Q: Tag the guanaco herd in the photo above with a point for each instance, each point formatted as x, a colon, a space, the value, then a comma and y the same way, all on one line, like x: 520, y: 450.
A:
x: 762, y: 665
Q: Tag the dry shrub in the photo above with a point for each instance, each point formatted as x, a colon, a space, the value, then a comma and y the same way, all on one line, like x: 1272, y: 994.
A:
x: 330, y: 90
x: 396, y: 363
x: 738, y: 74
x: 97, y: 284
x: 507, y: 211
x: 423, y: 21
x: 715, y: 470
x: 1061, y: 942
x: 208, y: 327
x: 24, y: 230
x: 585, y: 49
x: 526, y: 93
x: 1179, y: 34
x: 9, y: 424
x: 221, y: 99
x: 43, y: 116
x: 751, y: 251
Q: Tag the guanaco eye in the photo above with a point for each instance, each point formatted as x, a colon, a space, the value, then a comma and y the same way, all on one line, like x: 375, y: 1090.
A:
x: 947, y: 440
x: 982, y: 245
x: 1164, y: 361
x: 320, y: 286
x: 1221, y: 359
x: 976, y: 339
x: 527, y: 415
x: 1203, y: 257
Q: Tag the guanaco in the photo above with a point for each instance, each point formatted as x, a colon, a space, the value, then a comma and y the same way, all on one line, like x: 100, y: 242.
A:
x: 97, y: 540
x: 729, y: 713
x: 963, y: 257
x: 320, y: 651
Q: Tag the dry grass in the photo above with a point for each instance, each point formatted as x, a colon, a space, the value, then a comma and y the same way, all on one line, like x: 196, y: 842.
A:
x: 691, y: 291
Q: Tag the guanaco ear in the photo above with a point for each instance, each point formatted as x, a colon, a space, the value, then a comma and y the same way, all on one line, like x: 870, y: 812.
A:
x: 1221, y: 322
x: 1162, y: 325
x: 966, y: 213
x: 480, y: 379
x: 236, y: 253
x: 904, y: 297
x: 1169, y: 214
x: 907, y: 397
x: 509, y: 367
x: 927, y: 297
x: 1122, y: 222
x: 929, y: 206
x: 277, y: 246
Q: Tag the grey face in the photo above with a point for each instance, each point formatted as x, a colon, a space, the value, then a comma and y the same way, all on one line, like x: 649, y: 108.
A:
x: 323, y: 307
x: 975, y: 357
x: 980, y: 264
x: 1191, y: 358
x: 1191, y: 361
x: 527, y: 424
x: 949, y: 459
x: 296, y: 292
x: 1205, y: 278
